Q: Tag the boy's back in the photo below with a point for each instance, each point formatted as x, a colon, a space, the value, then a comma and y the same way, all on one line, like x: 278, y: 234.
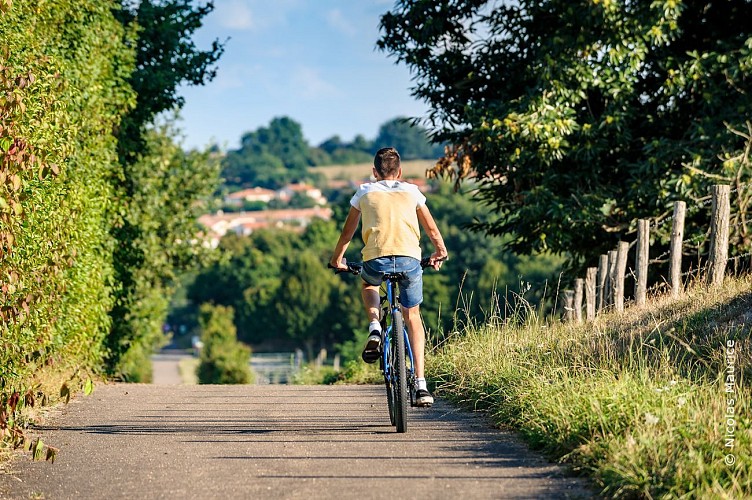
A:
x: 390, y: 219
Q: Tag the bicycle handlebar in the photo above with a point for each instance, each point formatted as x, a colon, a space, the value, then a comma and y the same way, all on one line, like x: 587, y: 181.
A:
x: 352, y: 268
x: 356, y: 267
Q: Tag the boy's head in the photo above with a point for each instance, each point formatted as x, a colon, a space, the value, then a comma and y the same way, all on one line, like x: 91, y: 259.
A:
x: 386, y: 163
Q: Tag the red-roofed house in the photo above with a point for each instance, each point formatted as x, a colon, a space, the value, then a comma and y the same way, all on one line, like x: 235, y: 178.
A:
x: 250, y: 195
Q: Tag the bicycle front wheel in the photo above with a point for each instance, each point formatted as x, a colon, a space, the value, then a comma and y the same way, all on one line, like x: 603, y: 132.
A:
x: 400, y: 373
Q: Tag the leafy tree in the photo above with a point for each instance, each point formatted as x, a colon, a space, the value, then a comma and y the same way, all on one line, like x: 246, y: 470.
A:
x: 409, y: 138
x: 303, y: 297
x: 342, y: 153
x: 168, y: 187
x: 585, y: 114
x: 360, y: 143
x: 478, y: 266
x: 158, y: 186
x: 224, y: 360
x: 332, y: 144
x: 270, y: 156
x: 166, y: 57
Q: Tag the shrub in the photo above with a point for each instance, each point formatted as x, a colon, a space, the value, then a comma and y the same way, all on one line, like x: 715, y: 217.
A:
x: 224, y: 360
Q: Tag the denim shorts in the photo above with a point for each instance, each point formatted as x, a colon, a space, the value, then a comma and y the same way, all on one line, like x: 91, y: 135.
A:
x: 410, y: 288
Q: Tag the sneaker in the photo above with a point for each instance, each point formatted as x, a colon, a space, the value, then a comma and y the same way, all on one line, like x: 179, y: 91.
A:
x: 423, y: 398
x: 371, y: 352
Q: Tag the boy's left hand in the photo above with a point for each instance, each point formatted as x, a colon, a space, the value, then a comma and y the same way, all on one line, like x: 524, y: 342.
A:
x: 339, y: 265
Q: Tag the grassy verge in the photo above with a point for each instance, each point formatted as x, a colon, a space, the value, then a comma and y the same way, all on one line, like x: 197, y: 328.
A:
x: 638, y: 401
x: 187, y: 368
x: 354, y: 372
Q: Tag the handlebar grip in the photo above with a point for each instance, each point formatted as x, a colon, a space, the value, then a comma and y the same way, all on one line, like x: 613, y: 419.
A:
x: 351, y: 268
x: 424, y: 262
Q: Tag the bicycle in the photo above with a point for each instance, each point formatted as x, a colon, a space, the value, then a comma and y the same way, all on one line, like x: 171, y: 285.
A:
x: 399, y: 376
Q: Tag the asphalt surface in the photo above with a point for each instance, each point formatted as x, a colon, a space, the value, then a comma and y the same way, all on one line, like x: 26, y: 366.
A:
x: 165, y: 368
x: 308, y: 442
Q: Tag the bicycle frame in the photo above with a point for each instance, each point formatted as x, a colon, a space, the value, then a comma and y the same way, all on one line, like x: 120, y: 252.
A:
x: 393, y: 304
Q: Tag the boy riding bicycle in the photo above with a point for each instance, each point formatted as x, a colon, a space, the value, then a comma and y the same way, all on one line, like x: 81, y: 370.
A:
x: 392, y: 211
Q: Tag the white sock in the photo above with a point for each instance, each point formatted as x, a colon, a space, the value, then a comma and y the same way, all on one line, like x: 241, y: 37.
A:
x: 420, y: 384
x: 374, y: 326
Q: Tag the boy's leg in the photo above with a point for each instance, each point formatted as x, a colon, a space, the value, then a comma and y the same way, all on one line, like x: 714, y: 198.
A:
x: 418, y: 343
x: 417, y: 338
x: 371, y: 301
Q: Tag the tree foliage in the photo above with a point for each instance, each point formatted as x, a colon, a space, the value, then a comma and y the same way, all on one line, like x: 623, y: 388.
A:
x: 169, y: 186
x: 224, y: 360
x: 586, y: 114
x: 270, y: 157
x: 159, y: 185
x: 278, y: 154
x: 409, y: 138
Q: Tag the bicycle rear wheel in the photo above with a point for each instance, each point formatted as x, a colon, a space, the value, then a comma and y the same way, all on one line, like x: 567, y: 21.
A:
x: 387, y: 370
x: 399, y: 386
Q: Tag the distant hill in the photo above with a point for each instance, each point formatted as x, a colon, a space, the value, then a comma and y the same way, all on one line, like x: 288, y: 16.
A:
x: 412, y: 168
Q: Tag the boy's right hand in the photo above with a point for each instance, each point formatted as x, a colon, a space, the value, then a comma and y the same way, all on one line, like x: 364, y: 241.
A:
x: 437, y: 259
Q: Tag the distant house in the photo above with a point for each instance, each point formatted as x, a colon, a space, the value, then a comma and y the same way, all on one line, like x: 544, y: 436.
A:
x: 245, y: 223
x: 251, y: 195
x: 287, y: 192
x: 422, y: 184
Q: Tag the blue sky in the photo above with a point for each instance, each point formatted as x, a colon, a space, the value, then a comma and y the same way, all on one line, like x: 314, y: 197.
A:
x: 312, y: 60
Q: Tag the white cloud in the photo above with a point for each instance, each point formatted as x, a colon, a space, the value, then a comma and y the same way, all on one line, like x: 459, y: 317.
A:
x: 309, y: 84
x: 235, y: 14
x: 336, y: 20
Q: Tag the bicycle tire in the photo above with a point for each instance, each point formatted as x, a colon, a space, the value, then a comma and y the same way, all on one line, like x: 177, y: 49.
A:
x: 390, y: 396
x: 400, y: 372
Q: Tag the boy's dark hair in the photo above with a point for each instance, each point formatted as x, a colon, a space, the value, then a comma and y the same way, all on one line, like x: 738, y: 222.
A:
x: 387, y: 162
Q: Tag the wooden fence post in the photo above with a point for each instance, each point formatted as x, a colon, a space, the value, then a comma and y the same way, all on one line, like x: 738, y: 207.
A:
x: 611, y: 288
x: 602, y: 282
x: 579, y: 285
x: 620, y: 271
x: 568, y: 305
x: 719, y: 234
x: 677, y: 241
x: 590, y: 295
x: 641, y: 261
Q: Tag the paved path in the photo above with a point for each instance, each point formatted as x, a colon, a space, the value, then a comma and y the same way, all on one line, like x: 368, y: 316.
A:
x: 165, y: 367
x: 226, y: 442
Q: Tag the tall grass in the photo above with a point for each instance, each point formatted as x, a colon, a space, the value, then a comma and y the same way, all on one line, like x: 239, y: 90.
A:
x: 637, y: 400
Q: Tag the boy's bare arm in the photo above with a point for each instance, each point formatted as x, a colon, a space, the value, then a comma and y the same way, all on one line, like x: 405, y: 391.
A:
x: 348, y: 231
x: 432, y: 230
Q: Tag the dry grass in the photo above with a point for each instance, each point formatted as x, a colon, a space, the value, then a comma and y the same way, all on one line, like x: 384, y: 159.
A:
x: 410, y: 169
x: 635, y: 400
x: 187, y: 368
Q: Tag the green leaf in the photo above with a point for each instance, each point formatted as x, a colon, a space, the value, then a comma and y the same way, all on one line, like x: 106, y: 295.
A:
x: 51, y: 454
x: 88, y: 387
x: 38, y: 449
x: 65, y: 393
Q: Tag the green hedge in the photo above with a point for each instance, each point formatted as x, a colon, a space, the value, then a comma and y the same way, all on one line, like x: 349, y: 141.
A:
x: 63, y: 89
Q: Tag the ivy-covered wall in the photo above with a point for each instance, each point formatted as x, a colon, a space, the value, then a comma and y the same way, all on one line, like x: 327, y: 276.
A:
x: 64, y: 69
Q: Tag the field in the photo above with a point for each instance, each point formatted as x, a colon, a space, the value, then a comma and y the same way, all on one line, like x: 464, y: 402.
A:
x: 413, y: 168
